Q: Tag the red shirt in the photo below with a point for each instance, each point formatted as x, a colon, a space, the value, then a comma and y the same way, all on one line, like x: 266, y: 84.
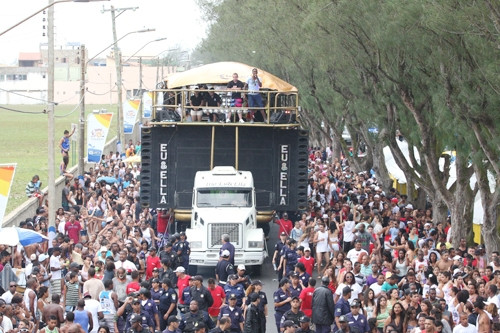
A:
x: 306, y: 295
x: 285, y: 226
x: 308, y: 263
x: 181, y: 284
x: 218, y: 296
x: 73, y: 230
x: 132, y: 287
x: 151, y: 263
x: 161, y: 224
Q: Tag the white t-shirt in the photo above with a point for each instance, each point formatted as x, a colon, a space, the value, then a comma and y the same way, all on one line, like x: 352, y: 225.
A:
x: 127, y: 265
x: 356, y: 290
x: 55, y: 263
x: 93, y: 306
x: 354, y: 254
x: 348, y: 231
x: 461, y: 329
x: 7, y: 324
x: 377, y: 288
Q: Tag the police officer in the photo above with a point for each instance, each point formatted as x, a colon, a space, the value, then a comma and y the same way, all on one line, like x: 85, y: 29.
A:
x: 201, y: 294
x: 305, y: 323
x: 243, y: 278
x: 194, y: 318
x: 149, y: 306
x: 295, y: 287
x: 278, y: 248
x: 224, y: 268
x: 135, y: 325
x: 290, y: 257
x: 168, y: 254
x: 303, y: 275
x: 254, y: 318
x: 294, y: 314
x: 146, y: 320
x: 282, y: 300
x: 233, y: 287
x: 182, y: 249
x: 235, y: 313
x: 166, y: 272
x: 342, y: 307
x: 168, y: 303
x: 355, y: 318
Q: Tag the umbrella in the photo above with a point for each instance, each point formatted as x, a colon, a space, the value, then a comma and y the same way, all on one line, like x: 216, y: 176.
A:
x: 107, y: 179
x: 12, y: 236
x: 133, y: 159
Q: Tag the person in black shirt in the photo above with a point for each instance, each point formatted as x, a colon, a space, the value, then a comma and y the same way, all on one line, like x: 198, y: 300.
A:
x: 212, y: 99
x: 236, y: 85
x: 196, y: 101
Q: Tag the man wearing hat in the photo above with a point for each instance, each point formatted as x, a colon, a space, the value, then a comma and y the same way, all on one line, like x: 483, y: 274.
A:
x: 294, y: 314
x: 323, y: 315
x: 243, y: 279
x: 226, y: 245
x: 255, y: 320
x: 290, y: 257
x: 201, y: 294
x: 278, y: 253
x: 285, y: 225
x: 344, y: 326
x: 173, y: 325
x: 168, y: 254
x: 224, y: 268
x: 183, y: 250
x: 133, y: 309
x: 195, y: 318
x: 152, y: 261
x: 305, y: 325
x: 356, y: 318
x: 134, y: 324
x: 308, y: 261
x: 235, y: 313
x: 235, y: 288
x: 295, y: 287
x: 342, y: 307
x: 289, y: 326
x: 223, y: 326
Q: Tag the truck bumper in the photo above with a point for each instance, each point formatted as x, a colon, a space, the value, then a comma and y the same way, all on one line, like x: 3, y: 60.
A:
x: 247, y: 258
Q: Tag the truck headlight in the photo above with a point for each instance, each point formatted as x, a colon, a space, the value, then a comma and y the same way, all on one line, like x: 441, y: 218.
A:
x: 195, y: 245
x: 256, y: 244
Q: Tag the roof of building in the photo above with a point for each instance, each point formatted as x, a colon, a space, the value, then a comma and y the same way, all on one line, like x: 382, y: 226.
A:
x: 26, y: 56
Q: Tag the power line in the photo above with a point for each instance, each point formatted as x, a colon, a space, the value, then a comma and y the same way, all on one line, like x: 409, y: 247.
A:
x: 21, y: 111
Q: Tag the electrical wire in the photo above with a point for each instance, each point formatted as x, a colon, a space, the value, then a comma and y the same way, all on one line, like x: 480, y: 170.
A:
x: 26, y: 96
x: 21, y: 111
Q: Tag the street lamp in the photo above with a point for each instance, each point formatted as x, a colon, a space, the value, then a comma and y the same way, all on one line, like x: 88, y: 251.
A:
x: 151, y: 41
x: 81, y: 131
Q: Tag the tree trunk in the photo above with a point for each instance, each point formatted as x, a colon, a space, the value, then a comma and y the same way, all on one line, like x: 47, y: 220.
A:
x: 489, y: 229
x: 439, y: 208
x: 380, y: 168
x: 336, y: 150
x: 461, y: 216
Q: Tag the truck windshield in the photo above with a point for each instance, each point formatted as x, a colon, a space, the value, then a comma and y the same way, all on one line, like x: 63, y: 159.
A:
x: 224, y: 197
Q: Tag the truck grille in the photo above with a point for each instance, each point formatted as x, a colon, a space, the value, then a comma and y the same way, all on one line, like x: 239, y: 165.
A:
x: 216, y: 230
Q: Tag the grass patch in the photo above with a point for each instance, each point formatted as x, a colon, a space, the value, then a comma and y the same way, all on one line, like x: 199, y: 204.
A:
x: 24, y: 140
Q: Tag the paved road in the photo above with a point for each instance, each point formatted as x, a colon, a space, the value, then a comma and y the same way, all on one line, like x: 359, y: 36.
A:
x: 267, y: 276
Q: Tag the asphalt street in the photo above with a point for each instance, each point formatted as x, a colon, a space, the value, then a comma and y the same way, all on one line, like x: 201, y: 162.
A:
x: 268, y: 277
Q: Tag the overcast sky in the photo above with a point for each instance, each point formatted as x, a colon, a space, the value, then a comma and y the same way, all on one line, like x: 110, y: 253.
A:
x: 178, y: 20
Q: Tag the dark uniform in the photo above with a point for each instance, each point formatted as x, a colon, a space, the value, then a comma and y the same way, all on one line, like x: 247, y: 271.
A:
x: 168, y: 298
x: 223, y: 269
x: 171, y: 256
x: 304, y: 277
x: 150, y: 308
x: 280, y: 296
x: 295, y: 291
x: 182, y: 249
x: 155, y: 295
x: 236, y: 315
x: 147, y: 321
x: 230, y: 247
x: 254, y: 321
x: 202, y: 296
x: 361, y: 323
x: 279, y: 249
x: 190, y: 320
x: 291, y: 258
x: 237, y: 290
x: 290, y: 315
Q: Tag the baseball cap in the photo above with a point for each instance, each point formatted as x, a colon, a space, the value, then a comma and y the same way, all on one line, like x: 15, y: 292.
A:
x: 180, y: 269
x: 457, y: 257
x: 241, y: 267
x: 74, y: 265
x: 355, y: 304
x: 226, y: 253
x: 342, y: 319
x: 283, y: 234
x: 409, y: 206
x: 33, y: 256
x: 135, y: 318
x: 232, y: 296
x: 305, y: 319
x: 136, y: 300
x: 200, y: 326
x: 172, y: 319
x: 256, y: 282
x: 288, y: 323
x: 233, y: 277
x: 253, y: 297
x: 394, y: 200
x: 103, y: 249
x: 198, y: 278
x: 346, y: 290
x: 42, y: 257
x: 307, y: 249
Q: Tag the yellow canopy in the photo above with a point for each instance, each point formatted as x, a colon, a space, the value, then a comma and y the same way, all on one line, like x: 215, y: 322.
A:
x: 222, y: 73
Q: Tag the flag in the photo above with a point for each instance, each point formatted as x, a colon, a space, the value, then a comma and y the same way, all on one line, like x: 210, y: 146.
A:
x: 147, y: 104
x: 130, y: 109
x: 97, y: 132
x: 6, y: 177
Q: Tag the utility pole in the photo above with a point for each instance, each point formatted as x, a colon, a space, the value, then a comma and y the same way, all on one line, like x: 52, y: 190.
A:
x: 51, y: 119
x: 140, y: 91
x: 81, y: 129
x: 118, y: 65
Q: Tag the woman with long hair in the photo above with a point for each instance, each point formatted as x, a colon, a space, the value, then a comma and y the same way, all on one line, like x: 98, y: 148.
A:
x: 400, y: 264
x: 393, y: 298
x: 410, y: 319
x: 381, y: 313
x: 321, y: 241
x: 333, y: 239
x: 472, y: 289
x: 330, y: 273
x: 426, y: 308
x: 397, y: 317
x: 349, y: 281
x: 369, y: 303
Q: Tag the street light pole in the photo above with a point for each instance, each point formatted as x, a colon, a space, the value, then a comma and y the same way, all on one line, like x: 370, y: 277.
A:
x: 50, y: 113
x: 118, y: 66
x: 81, y: 128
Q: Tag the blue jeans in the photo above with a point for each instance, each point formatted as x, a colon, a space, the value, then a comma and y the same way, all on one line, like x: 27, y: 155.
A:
x: 255, y: 100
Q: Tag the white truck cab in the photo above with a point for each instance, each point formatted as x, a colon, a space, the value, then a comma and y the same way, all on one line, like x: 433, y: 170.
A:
x: 224, y: 203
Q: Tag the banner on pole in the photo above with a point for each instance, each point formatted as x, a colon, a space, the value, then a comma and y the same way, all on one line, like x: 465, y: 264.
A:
x: 97, y: 132
x: 130, y: 110
x: 147, y: 102
x: 7, y: 172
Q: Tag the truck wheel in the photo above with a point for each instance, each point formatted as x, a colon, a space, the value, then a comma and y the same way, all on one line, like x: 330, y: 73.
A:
x: 192, y: 270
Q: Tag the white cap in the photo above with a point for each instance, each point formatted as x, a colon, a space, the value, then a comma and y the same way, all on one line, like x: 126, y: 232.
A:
x: 457, y: 257
x: 307, y: 249
x: 241, y: 267
x: 108, y: 188
x: 377, y: 188
x: 376, y: 196
x: 33, y: 256
x: 103, y: 249
x: 427, y: 224
x: 180, y: 269
x: 42, y: 257
x: 226, y: 253
x: 325, y: 216
x: 109, y: 219
x: 409, y: 206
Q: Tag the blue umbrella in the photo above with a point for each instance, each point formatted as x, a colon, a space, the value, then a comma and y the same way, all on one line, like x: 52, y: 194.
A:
x: 107, y: 179
x: 14, y: 235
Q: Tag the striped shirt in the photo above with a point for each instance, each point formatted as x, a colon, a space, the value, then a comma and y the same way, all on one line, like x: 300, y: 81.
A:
x: 72, y: 295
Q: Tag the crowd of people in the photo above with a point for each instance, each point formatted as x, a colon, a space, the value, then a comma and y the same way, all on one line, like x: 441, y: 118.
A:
x: 359, y: 259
